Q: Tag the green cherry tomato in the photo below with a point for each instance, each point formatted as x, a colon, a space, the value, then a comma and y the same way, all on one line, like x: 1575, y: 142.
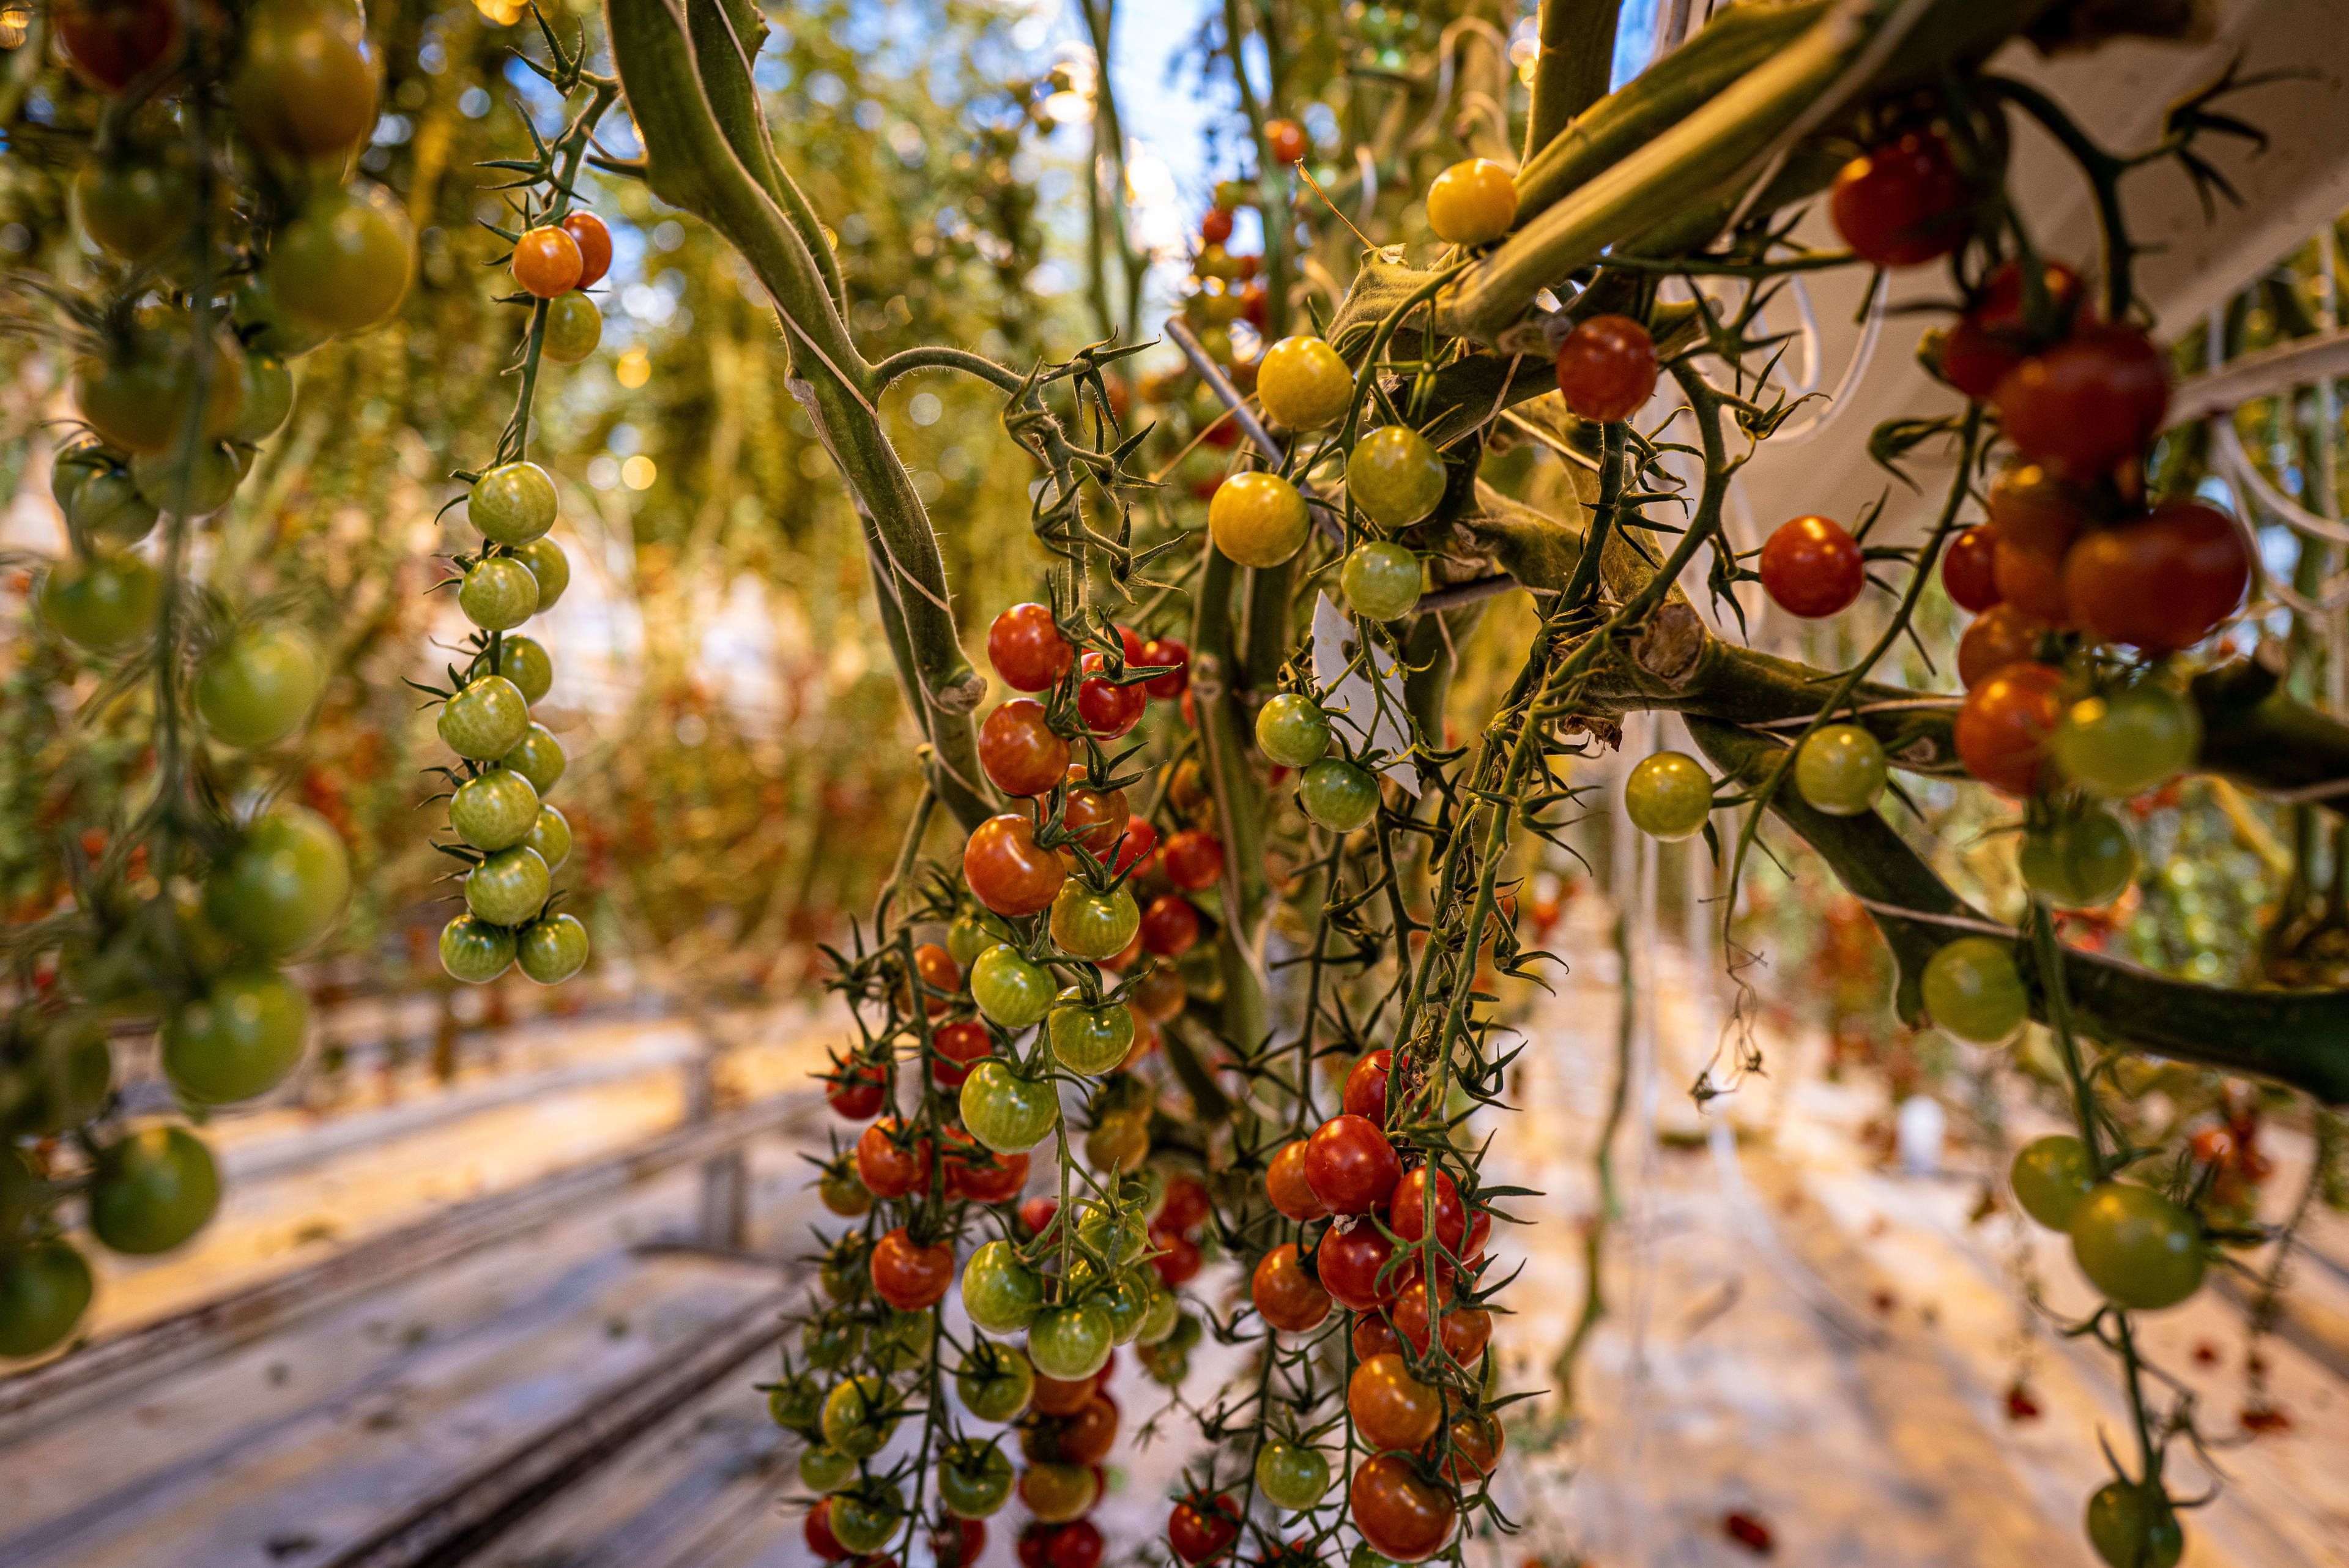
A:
x: 550, y: 565
x: 1972, y: 990
x: 2051, y: 1175
x: 550, y: 834
x: 1165, y: 1312
x: 846, y: 1273
x: 268, y: 398
x: 486, y: 721
x: 1303, y: 384
x: 2083, y: 862
x: 832, y: 1341
x: 972, y: 934
x: 106, y: 506
x: 152, y: 1190
x: 43, y: 1290
x: 104, y: 602
x: 257, y: 688
x: 1008, y: 1113
x: 1841, y: 770
x: 824, y: 1468
x: 1669, y: 796
x: 1257, y: 519
x: 1010, y: 991
x: 1090, y: 925
x: 512, y: 504
x: 866, y: 1518
x: 995, y: 1386
x: 498, y: 593
x: 2133, y: 1526
x: 573, y: 328
x: 343, y: 264
x: 1070, y: 1342
x: 551, y: 950
x: 1292, y: 730
x: 264, y: 325
x: 1120, y: 1236
x: 73, y: 1071
x: 1126, y: 1299
x: 2129, y: 742
x: 1381, y: 580
x: 137, y: 396
x: 2138, y: 1247
x: 523, y: 662
x: 137, y: 209
x: 1001, y: 1295
x: 475, y: 952
x: 1294, y: 1476
x: 974, y: 1479
x: 495, y: 811
x: 796, y: 1405
x: 283, y: 887
x: 303, y: 88
x: 507, y: 888
x: 76, y: 465
x: 1338, y: 795
x: 240, y: 1039
x: 1395, y: 476
x: 1088, y: 1040
x: 207, y: 484
x: 538, y: 756
x: 856, y: 1417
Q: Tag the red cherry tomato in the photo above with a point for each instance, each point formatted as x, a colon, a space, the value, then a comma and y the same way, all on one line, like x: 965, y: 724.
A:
x: 958, y: 1542
x: 1006, y: 870
x: 1993, y: 337
x: 1374, y: 1336
x: 1902, y: 203
x: 1812, y: 569
x: 1407, y: 1210
x: 954, y: 1047
x: 546, y: 262
x: 2029, y: 581
x: 1108, y: 710
x: 1027, y: 649
x: 1466, y: 1332
x: 1099, y: 816
x: 2004, y: 729
x: 1286, y: 1186
x: 1365, y: 1095
x: 1177, y: 1259
x: 908, y: 1275
x: 1185, y: 1207
x: 109, y: 42
x: 1076, y: 1544
x: 1017, y: 747
x: 1170, y: 926
x: 2001, y: 635
x: 1215, y: 227
x: 1390, y: 1409
x: 1139, y: 843
x: 1287, y: 139
x: 817, y: 1529
x: 1350, y: 1164
x: 1037, y: 1214
x: 1193, y: 860
x: 855, y: 1092
x: 1177, y: 681
x: 1607, y: 369
x: 594, y: 241
x: 1350, y: 1264
x: 888, y: 1168
x: 941, y: 976
x: 981, y: 1175
x: 2087, y: 403
x: 2032, y: 509
x: 1967, y: 571
x: 1401, y: 1516
x: 2162, y: 583
x: 1286, y: 1295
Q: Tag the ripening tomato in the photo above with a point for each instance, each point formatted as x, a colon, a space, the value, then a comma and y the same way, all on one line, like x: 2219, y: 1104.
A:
x: 1841, y: 770
x: 908, y: 1275
x: 1006, y: 869
x: 1259, y: 519
x: 1286, y: 138
x: 1465, y: 1331
x: 1193, y: 860
x: 2001, y: 635
x: 1401, y: 1516
x: 2159, y: 585
x: 1993, y: 337
x: 1812, y: 569
x: 1351, y: 1166
x: 1027, y: 649
x: 1350, y: 1264
x: 1967, y: 569
x: 1390, y: 1407
x: 2005, y: 728
x: 1061, y: 1396
x: 2049, y: 1176
x: 890, y: 1168
x: 2090, y: 401
x: 1668, y: 795
x: 1286, y: 1294
x: 1477, y: 1441
x: 1472, y: 202
x: 1903, y: 203
x: 1100, y: 817
x: 1303, y: 384
x: 546, y: 262
x: 983, y: 1176
x: 1285, y: 1185
x: 1971, y: 989
x: 594, y: 241
x: 1395, y: 476
x: 2139, y: 1248
x: 941, y: 978
x: 954, y: 1047
x: 1365, y: 1094
x: 2031, y: 581
x: 1607, y: 369
x: 303, y: 88
x: 816, y: 1529
x: 1372, y: 1336
x: 856, y: 1092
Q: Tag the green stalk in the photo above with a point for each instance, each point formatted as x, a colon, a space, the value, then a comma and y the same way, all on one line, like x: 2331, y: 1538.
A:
x: 1576, y: 38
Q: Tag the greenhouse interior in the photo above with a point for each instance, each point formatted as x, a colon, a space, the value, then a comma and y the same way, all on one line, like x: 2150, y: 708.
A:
x: 1291, y: 784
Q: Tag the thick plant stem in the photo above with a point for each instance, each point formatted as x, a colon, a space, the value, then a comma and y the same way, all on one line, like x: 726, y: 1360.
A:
x: 1214, y: 663
x: 1576, y: 38
x: 1594, y: 1233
